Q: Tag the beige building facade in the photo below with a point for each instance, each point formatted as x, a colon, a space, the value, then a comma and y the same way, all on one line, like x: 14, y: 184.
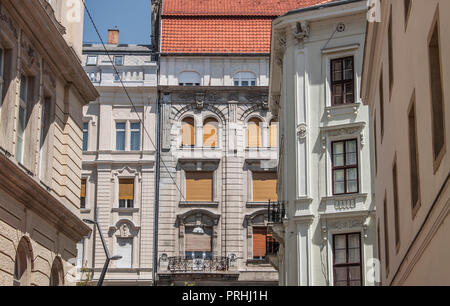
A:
x: 43, y: 89
x: 406, y: 79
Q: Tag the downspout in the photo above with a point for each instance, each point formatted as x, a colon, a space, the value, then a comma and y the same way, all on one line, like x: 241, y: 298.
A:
x: 157, y: 179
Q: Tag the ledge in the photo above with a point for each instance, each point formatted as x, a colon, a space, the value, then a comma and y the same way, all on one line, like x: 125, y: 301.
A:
x: 125, y: 210
x: 198, y: 204
x: 343, y: 205
x: 257, y: 204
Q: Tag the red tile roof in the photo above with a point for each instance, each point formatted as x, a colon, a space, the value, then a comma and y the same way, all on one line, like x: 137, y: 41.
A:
x: 222, y: 26
x: 234, y: 7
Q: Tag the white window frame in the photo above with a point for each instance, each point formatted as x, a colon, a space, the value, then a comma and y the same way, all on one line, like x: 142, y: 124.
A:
x: 117, y: 57
x: 87, y: 141
x: 130, y: 239
x: 89, y: 57
x: 125, y: 135
x: 189, y: 78
x: 244, y: 76
x: 22, y: 105
x: 140, y: 135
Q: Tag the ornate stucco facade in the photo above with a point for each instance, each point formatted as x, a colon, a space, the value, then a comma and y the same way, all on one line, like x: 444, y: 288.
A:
x: 120, y: 147
x: 43, y: 89
x: 326, y: 219
x: 406, y: 85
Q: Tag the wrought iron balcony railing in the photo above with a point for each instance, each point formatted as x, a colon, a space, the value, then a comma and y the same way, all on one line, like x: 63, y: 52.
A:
x: 276, y: 212
x: 212, y: 264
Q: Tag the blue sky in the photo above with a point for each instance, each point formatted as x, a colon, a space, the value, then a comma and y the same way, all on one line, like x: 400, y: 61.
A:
x: 132, y: 18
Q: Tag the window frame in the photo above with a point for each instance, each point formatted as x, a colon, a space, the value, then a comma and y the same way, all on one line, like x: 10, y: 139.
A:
x: 260, y: 127
x: 23, y: 104
x: 187, y: 120
x: 347, y: 264
x: 116, y: 57
x: 239, y: 79
x: 135, y: 130
x: 117, y: 130
x: 207, y: 121
x: 128, y: 204
x: 342, y: 82
x: 83, y: 199
x: 129, y: 239
x: 345, y: 167
x: 189, y: 76
x: 213, y: 189
x: 85, y: 143
x: 92, y: 64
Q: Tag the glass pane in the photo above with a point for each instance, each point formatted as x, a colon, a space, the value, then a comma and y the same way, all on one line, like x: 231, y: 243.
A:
x: 348, y: 63
x: 244, y: 83
x: 338, y: 160
x: 348, y: 89
x: 339, y: 176
x: 340, y: 274
x: 118, y: 60
x: 135, y: 141
x: 355, y: 283
x: 338, y: 148
x: 339, y: 188
x: 339, y: 242
x: 351, y: 159
x: 355, y: 273
x: 92, y: 60
x: 348, y: 74
x: 253, y: 83
x: 353, y: 241
x: 352, y: 174
x: 1, y: 62
x: 23, y: 88
x: 351, y: 146
x: 236, y: 83
x: 354, y: 255
x: 337, y: 76
x: 120, y: 141
x: 352, y: 186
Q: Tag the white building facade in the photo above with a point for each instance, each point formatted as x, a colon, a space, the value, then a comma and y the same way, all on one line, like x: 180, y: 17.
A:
x: 119, y: 161
x: 326, y: 219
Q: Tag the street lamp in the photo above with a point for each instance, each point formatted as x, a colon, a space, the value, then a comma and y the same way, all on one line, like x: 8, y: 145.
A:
x: 105, y: 247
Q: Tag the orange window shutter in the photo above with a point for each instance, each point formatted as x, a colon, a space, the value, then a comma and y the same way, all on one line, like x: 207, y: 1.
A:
x: 273, y: 135
x: 188, y: 132
x: 199, y: 186
x: 265, y: 186
x: 254, y: 133
x: 126, y: 189
x: 259, y: 241
x: 198, y: 242
x: 210, y: 131
x: 83, y: 188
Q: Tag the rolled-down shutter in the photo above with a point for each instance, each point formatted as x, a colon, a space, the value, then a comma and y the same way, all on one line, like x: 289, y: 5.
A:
x: 188, y: 132
x: 83, y: 188
x: 254, y: 133
x: 273, y: 134
x: 126, y: 189
x: 199, y: 186
x: 198, y: 242
x: 259, y: 241
x: 264, y: 186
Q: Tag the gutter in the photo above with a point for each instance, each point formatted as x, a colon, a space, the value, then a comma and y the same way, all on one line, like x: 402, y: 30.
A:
x: 320, y: 6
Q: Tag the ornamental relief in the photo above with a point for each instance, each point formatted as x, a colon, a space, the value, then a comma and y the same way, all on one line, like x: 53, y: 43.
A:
x: 345, y: 224
x: 7, y: 22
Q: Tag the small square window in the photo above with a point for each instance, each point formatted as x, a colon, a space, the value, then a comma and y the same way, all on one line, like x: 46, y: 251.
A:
x: 91, y: 60
x: 118, y: 60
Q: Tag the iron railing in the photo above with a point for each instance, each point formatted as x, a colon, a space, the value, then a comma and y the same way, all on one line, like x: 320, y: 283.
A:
x: 276, y: 212
x: 213, y: 264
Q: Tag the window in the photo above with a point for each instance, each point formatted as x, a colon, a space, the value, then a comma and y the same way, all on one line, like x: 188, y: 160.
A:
x: 91, y: 60
x: 263, y: 243
x: 381, y: 105
x: 85, y: 135
x: 437, y: 103
x: 210, y: 133
x: 264, y: 186
x: 189, y: 78
x: 199, y: 186
x: 56, y: 273
x: 396, y: 208
x: 391, y: 55
x: 386, y: 236
x: 254, y: 133
x: 342, y: 82
x: 92, y: 76
x: 188, y: 132
x: 80, y: 254
x: 83, y: 194
x: 345, y: 167
x: 273, y: 131
x: 135, y: 130
x: 120, y: 136
x: 45, y: 126
x: 21, y: 124
x: 244, y: 79
x: 125, y: 249
x: 22, y: 264
x: 413, y: 155
x: 198, y: 242
x: 118, y: 60
x: 347, y: 260
x: 2, y: 59
x: 126, y: 193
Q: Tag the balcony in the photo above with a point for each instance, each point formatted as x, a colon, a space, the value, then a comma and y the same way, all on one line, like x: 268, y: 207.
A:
x: 276, y: 212
x: 186, y: 265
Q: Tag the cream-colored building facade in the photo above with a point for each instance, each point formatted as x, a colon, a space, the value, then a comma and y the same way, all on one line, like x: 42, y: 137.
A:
x: 406, y: 81
x: 325, y: 221
x: 43, y: 89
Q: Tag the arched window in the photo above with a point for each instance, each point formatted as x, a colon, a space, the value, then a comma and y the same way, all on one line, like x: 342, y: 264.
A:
x: 22, y: 265
x: 188, y: 132
x: 210, y: 133
x: 273, y: 132
x: 254, y: 133
x: 244, y: 79
x: 57, y: 273
x: 189, y: 78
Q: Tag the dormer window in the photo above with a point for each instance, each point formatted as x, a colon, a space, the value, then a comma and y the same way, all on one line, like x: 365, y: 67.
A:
x: 244, y: 79
x: 91, y: 60
x: 189, y: 78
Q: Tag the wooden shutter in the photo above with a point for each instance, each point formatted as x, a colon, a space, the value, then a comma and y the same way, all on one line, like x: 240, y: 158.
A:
x: 188, y: 132
x: 254, y: 133
x: 273, y: 130
x: 126, y: 189
x: 210, y: 131
x: 264, y: 186
x: 259, y: 241
x: 83, y: 188
x: 198, y: 242
x: 199, y: 186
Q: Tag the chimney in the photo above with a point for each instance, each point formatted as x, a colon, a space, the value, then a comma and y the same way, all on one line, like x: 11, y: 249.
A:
x: 113, y: 36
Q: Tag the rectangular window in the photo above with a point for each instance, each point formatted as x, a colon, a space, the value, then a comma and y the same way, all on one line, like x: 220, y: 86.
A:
x: 91, y: 60
x: 436, y: 95
x: 375, y: 132
x: 21, y: 123
x: 259, y: 242
x: 80, y: 254
x: 45, y: 126
x: 391, y: 55
x: 386, y: 236
x: 264, y: 186
x: 135, y: 139
x: 198, y: 242
x: 413, y: 155
x: 118, y: 60
x: 125, y: 249
x: 396, y: 208
x: 126, y: 193
x: 2, y: 56
x: 345, y: 167
x: 347, y: 260
x: 199, y: 186
x: 342, y: 81
x: 120, y: 136
x: 85, y: 135
x: 83, y: 194
x: 381, y: 105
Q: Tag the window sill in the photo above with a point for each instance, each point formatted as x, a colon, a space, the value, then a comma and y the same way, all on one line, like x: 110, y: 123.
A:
x: 264, y: 204
x: 85, y: 210
x: 261, y: 262
x: 125, y: 210
x: 199, y: 203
